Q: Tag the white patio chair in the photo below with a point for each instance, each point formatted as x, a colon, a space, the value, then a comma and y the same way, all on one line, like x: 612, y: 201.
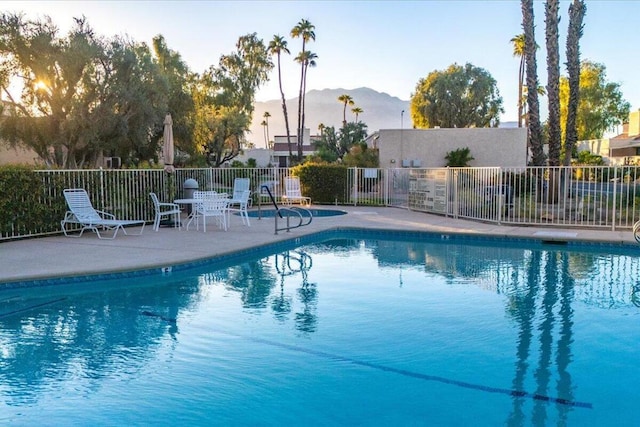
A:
x: 210, y: 204
x: 293, y: 193
x: 239, y: 203
x: 165, y: 210
x: 82, y: 212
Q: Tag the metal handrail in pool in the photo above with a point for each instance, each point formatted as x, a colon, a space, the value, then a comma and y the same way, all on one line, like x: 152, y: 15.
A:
x: 296, y: 210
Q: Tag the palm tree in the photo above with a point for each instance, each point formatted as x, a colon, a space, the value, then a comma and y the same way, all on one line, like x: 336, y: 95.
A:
x: 535, y: 129
x: 346, y: 100
x: 278, y: 45
x: 307, y: 59
x: 304, y: 30
x: 553, y: 80
x: 265, y: 132
x: 577, y: 11
x: 266, y: 116
x: 357, y: 111
x: 518, y: 51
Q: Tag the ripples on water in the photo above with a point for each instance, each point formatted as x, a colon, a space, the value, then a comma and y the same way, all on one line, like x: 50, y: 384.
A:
x: 347, y: 331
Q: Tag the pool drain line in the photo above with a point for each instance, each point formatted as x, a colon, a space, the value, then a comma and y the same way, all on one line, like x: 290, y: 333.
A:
x: 31, y: 307
x: 418, y: 375
x: 404, y: 372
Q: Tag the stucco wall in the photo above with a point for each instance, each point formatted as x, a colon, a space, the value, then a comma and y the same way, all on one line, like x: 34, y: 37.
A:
x: 18, y: 156
x: 260, y: 154
x: 595, y: 146
x: 428, y: 147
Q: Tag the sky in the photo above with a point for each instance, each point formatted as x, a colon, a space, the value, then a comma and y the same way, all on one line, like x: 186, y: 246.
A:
x: 387, y: 46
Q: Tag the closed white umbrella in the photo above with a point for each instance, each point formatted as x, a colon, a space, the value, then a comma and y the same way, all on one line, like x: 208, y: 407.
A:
x: 167, y: 148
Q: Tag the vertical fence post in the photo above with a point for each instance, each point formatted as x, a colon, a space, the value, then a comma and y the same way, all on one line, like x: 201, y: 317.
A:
x: 615, y: 193
x: 102, y: 203
x: 354, y: 185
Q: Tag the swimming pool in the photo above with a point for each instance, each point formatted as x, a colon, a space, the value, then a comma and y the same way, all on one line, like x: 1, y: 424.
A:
x: 351, y: 328
x: 269, y: 213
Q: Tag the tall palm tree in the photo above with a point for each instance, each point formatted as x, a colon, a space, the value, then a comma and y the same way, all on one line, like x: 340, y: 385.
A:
x: 277, y: 46
x: 346, y: 100
x: 535, y: 128
x: 304, y: 30
x: 307, y: 59
x: 357, y: 111
x: 518, y: 51
x: 266, y: 116
x: 553, y: 80
x: 264, y: 133
x: 577, y: 11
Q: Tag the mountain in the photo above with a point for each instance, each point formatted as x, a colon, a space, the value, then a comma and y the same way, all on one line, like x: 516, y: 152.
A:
x: 380, y: 111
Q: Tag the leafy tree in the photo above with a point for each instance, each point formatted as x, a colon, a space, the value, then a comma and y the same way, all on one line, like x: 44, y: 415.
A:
x: 240, y: 74
x: 306, y: 31
x: 553, y: 77
x: 577, y: 11
x: 224, y: 98
x: 533, y: 115
x: 345, y: 100
x: 82, y: 96
x: 180, y: 103
x: 362, y: 156
x: 278, y: 46
x: 600, y: 106
x: 219, y: 132
x: 457, y: 97
x: 333, y: 145
x: 459, y: 158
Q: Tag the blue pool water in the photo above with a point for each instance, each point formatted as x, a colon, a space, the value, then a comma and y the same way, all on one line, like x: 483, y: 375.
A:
x: 350, y: 328
x: 269, y: 213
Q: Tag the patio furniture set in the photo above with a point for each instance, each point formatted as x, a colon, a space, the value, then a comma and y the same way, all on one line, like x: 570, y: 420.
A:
x: 203, y: 205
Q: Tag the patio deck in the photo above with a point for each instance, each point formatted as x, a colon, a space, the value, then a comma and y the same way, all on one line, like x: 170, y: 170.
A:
x: 58, y: 256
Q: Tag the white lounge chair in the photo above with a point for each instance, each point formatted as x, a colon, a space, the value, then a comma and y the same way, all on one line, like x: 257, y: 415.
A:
x: 82, y: 212
x: 293, y: 193
x: 165, y: 210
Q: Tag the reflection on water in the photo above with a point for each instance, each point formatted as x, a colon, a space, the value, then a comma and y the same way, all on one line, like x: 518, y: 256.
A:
x: 86, y: 331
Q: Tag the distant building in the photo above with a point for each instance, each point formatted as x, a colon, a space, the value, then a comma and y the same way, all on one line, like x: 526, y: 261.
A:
x: 262, y: 156
x: 281, y: 147
x: 622, y: 149
x: 427, y: 148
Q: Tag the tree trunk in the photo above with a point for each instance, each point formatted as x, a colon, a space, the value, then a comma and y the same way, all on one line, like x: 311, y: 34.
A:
x: 535, y: 129
x: 553, y: 81
x: 577, y: 11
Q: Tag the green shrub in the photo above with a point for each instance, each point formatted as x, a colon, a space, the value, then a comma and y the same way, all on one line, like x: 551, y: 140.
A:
x: 325, y: 184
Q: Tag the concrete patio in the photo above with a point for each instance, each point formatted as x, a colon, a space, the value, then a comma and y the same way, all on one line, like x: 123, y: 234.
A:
x: 58, y: 256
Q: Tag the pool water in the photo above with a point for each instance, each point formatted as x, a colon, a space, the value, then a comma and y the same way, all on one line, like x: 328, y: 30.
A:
x: 358, y: 330
x: 270, y: 213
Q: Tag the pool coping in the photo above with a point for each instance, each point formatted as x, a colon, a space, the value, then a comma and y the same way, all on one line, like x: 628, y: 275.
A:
x: 538, y: 238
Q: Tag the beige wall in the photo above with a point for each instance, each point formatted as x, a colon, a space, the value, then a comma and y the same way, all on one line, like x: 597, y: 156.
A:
x: 504, y: 147
x: 595, y: 146
x: 18, y: 156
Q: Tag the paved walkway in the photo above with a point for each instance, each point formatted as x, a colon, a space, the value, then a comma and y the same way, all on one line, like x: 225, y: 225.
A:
x: 65, y: 256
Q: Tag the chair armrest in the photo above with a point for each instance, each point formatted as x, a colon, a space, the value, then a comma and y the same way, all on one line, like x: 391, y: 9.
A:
x: 106, y: 215
x: 169, y: 205
x: 69, y: 217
